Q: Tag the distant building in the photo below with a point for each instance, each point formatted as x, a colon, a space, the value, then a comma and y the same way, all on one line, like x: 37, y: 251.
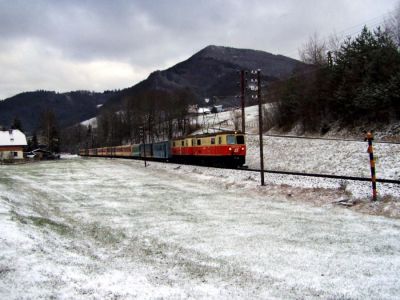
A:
x: 203, y: 110
x: 12, y: 144
x: 218, y: 108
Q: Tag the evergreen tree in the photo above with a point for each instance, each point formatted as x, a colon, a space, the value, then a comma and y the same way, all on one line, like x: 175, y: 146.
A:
x: 17, y: 124
x: 50, y: 130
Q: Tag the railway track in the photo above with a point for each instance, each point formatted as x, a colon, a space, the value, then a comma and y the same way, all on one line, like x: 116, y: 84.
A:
x: 323, y: 139
x: 382, y: 180
x: 354, y: 178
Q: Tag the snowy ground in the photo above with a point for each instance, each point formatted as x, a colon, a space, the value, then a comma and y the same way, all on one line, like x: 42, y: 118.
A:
x: 111, y: 229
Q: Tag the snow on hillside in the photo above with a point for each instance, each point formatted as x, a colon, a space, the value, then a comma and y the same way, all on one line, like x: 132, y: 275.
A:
x: 92, y: 122
x: 310, y: 155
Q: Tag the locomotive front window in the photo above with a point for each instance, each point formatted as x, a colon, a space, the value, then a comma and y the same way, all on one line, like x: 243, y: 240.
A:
x: 230, y: 139
x: 240, y: 139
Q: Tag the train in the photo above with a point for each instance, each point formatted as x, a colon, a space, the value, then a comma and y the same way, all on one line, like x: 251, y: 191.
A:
x: 221, y: 149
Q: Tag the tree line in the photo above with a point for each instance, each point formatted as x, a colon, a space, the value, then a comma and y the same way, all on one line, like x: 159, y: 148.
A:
x: 149, y: 116
x: 355, y: 83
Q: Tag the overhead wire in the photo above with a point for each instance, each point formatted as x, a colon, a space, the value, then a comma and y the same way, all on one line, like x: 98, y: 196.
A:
x: 352, y: 30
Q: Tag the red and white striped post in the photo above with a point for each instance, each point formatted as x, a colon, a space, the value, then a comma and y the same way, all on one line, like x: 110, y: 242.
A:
x: 369, y: 137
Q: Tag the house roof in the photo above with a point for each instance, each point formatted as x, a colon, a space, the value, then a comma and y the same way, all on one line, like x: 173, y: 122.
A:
x: 12, y: 137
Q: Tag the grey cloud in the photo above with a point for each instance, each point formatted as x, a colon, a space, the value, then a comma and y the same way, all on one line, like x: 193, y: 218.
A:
x: 151, y: 34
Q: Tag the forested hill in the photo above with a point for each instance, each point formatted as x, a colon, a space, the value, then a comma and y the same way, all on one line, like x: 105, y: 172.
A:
x: 69, y: 108
x: 213, y: 71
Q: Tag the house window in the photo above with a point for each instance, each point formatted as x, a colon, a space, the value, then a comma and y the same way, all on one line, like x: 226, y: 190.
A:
x: 15, y: 154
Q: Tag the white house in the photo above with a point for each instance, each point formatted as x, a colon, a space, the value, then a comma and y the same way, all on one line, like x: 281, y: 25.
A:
x: 204, y: 110
x: 12, y: 144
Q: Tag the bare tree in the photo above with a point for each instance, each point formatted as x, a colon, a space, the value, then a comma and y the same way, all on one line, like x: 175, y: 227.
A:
x: 392, y: 25
x: 334, y: 43
x: 314, y: 51
x: 236, y: 118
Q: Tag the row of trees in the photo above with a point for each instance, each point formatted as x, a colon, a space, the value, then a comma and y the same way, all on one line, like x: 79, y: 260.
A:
x: 157, y: 114
x: 357, y: 82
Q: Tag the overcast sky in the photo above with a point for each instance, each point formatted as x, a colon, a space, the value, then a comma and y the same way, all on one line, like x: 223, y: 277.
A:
x: 97, y: 45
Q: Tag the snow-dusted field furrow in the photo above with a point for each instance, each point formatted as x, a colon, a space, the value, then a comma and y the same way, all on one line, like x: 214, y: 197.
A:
x: 100, y: 228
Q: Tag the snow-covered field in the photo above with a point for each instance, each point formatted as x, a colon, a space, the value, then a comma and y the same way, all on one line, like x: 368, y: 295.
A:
x: 112, y: 229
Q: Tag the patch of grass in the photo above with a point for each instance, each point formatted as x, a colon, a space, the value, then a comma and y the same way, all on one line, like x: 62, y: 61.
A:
x: 43, y: 222
x: 4, y: 270
x: 104, y: 234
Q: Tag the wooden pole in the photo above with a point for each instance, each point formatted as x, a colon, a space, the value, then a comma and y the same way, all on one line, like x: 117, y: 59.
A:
x: 260, y: 126
x: 242, y: 98
x: 369, y: 137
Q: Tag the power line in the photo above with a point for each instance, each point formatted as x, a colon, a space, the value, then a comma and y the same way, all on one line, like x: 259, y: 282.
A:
x: 350, y: 31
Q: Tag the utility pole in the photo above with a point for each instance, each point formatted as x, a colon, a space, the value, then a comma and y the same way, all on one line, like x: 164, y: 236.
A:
x: 141, y: 132
x: 260, y: 126
x: 369, y: 137
x: 242, y: 98
x: 330, y: 59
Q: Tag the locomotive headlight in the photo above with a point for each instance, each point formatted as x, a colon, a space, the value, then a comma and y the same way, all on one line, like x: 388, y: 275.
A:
x: 230, y: 149
x: 242, y: 148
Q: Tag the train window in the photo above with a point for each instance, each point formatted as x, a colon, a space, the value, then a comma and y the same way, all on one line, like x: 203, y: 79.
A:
x: 230, y: 139
x: 183, y: 143
x: 220, y: 140
x: 173, y: 144
x: 240, y: 139
x: 198, y: 142
x: 193, y: 142
x: 213, y: 141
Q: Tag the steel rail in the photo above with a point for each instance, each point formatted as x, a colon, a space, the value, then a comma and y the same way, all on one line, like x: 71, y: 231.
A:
x: 382, y: 180
x: 323, y: 139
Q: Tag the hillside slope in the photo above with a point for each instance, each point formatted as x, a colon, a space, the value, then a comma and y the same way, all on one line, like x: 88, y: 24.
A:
x: 213, y: 71
x: 69, y: 108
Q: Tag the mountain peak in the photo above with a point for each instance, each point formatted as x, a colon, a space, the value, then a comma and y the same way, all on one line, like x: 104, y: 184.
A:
x: 218, y: 51
x: 270, y: 64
